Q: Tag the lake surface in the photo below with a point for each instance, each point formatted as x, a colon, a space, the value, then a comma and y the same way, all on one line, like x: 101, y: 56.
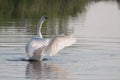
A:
x: 95, y: 55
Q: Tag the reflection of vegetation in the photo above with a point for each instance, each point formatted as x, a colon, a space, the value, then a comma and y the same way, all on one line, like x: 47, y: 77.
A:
x: 13, y: 9
x: 58, y: 12
x: 27, y: 12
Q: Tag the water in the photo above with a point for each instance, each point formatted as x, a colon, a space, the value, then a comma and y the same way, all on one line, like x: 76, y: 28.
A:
x: 95, y: 55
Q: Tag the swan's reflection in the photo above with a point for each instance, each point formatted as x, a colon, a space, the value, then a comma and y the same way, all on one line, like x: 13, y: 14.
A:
x: 45, y: 70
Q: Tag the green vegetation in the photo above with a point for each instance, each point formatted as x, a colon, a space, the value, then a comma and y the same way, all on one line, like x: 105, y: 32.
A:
x: 34, y: 9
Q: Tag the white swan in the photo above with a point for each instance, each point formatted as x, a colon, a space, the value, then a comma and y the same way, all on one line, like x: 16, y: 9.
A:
x: 38, y: 46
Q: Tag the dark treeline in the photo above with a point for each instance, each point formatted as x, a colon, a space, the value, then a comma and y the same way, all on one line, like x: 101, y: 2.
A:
x: 32, y: 9
x: 13, y: 9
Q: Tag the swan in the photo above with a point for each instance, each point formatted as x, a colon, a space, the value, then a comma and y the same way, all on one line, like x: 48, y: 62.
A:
x: 37, y: 47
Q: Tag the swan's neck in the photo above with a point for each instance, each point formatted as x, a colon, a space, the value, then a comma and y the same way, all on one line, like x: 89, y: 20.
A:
x: 39, y: 26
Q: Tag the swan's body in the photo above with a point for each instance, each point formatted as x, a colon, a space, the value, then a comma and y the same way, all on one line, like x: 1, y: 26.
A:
x: 38, y: 46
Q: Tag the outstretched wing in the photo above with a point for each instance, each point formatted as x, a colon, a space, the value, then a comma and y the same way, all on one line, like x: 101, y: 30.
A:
x: 59, y: 42
x: 34, y: 44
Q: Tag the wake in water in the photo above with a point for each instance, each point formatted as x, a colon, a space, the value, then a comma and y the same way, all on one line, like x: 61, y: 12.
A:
x: 25, y: 59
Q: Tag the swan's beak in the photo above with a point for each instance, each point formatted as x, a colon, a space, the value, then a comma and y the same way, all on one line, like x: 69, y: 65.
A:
x: 46, y: 17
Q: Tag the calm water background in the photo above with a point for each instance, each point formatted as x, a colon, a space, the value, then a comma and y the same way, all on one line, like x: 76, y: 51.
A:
x: 95, y: 24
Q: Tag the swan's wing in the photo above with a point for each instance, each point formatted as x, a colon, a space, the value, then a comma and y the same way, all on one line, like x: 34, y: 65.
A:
x: 59, y: 42
x: 34, y: 44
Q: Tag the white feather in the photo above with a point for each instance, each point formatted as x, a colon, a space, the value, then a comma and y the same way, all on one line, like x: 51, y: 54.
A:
x: 59, y: 42
x: 37, y: 47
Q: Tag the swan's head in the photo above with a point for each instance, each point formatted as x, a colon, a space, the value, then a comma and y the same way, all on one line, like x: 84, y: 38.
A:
x: 44, y: 18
